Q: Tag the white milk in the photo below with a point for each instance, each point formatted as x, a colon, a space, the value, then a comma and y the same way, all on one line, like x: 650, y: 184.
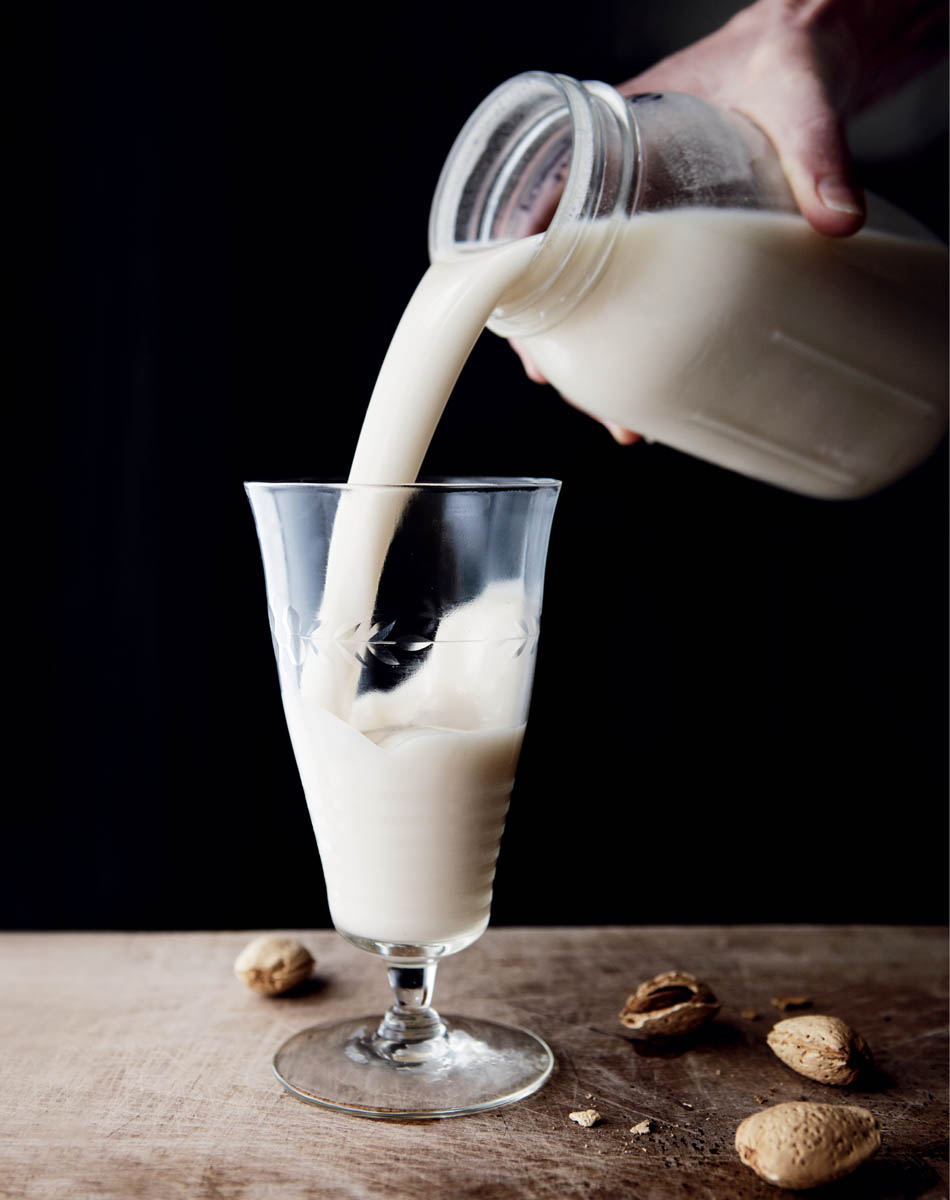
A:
x: 408, y: 796
x: 409, y: 830
x: 433, y: 339
x: 747, y: 339
x: 408, y: 819
x: 408, y: 789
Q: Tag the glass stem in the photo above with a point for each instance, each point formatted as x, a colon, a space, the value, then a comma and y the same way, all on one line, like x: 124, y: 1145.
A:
x: 411, y: 1018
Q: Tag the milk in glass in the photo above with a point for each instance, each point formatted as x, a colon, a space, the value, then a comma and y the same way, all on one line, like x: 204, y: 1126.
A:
x: 408, y: 789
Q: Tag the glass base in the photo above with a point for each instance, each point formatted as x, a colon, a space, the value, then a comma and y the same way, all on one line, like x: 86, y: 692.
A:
x: 473, y: 1066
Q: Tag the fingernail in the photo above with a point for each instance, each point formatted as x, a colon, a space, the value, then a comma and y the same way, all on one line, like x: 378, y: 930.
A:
x: 839, y: 197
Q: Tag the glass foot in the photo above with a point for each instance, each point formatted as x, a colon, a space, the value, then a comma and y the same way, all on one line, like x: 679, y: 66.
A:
x: 470, y: 1067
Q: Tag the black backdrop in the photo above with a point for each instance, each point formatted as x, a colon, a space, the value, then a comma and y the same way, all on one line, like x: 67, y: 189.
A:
x: 219, y: 212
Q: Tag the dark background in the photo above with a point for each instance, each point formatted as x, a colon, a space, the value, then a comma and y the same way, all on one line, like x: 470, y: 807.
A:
x: 218, y: 214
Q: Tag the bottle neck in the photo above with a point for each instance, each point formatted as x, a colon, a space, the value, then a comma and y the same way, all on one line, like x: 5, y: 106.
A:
x: 542, y: 154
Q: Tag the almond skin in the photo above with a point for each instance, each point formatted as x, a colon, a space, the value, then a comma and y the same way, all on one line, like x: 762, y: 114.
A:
x: 822, y: 1048
x: 802, y: 1145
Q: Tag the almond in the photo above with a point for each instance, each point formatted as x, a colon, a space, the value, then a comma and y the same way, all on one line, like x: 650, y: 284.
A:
x: 822, y: 1048
x: 669, y: 1005
x: 272, y: 965
x: 801, y: 1145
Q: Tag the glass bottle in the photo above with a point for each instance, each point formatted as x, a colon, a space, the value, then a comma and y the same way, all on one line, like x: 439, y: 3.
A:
x: 676, y: 291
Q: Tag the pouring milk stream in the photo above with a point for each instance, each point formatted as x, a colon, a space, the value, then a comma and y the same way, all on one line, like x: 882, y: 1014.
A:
x: 674, y: 293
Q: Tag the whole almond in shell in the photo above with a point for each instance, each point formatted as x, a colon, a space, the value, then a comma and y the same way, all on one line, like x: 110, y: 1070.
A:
x: 822, y: 1048
x: 272, y: 965
x: 802, y: 1145
x: 669, y: 1005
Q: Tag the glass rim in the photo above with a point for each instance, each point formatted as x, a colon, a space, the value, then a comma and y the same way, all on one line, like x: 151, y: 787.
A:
x: 489, y: 483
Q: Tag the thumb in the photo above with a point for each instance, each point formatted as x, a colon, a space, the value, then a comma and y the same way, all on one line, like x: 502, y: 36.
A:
x: 814, y: 155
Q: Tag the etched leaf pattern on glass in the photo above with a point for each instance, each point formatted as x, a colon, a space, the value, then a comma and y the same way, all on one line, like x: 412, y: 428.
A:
x: 356, y: 640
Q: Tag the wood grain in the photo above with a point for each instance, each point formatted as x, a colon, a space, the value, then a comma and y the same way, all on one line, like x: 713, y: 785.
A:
x: 136, y: 1065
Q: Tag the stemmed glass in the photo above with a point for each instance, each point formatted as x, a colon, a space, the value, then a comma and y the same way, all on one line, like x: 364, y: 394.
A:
x: 405, y: 625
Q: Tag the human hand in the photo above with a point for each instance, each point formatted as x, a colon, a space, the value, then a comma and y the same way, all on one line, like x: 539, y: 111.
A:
x: 786, y: 67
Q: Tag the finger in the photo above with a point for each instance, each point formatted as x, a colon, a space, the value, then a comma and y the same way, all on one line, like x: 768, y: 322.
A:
x: 815, y: 159
x: 626, y: 437
x: 531, y: 370
x: 820, y: 182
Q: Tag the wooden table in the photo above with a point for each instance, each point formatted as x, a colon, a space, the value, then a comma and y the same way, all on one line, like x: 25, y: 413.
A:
x: 137, y: 1065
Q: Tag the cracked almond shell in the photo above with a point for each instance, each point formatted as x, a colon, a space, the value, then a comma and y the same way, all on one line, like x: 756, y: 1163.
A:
x: 801, y: 1145
x: 669, y: 1005
x: 821, y: 1048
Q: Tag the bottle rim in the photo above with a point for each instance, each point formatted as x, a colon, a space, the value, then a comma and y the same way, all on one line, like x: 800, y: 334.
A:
x: 523, y: 120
